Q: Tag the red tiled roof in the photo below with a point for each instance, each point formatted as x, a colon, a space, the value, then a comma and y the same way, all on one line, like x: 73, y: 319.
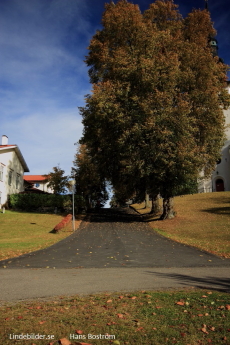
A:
x: 34, y: 178
x: 7, y: 145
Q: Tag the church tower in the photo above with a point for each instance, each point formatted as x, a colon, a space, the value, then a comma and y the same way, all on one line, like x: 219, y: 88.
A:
x: 212, y: 41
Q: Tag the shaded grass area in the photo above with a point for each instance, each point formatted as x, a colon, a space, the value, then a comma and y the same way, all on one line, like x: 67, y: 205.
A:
x: 22, y: 232
x: 181, y: 317
x: 202, y: 221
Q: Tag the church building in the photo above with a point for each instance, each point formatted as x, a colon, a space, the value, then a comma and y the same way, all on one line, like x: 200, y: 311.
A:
x: 220, y: 178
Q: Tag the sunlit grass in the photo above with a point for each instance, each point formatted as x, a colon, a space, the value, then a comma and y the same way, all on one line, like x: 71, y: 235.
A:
x: 146, y: 318
x: 22, y: 232
x: 203, y: 221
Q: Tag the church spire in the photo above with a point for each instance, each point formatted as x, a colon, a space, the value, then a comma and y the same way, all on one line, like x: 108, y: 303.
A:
x: 212, y: 40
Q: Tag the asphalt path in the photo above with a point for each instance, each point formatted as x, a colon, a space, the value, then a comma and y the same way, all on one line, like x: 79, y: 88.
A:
x: 113, y: 250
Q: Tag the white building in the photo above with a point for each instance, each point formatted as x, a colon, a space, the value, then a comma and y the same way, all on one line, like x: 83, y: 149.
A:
x: 37, y: 182
x: 220, y: 179
x: 12, y: 168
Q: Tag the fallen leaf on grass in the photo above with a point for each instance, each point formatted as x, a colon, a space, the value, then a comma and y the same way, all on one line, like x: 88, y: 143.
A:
x: 121, y: 316
x: 41, y: 322
x: 221, y: 307
x: 111, y: 323
x: 78, y: 331
x: 64, y: 341
x: 109, y: 301
x: 204, y: 329
x: 227, y: 307
x: 180, y: 303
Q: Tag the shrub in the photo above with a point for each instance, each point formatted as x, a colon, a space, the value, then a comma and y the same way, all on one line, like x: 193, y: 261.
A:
x: 33, y: 202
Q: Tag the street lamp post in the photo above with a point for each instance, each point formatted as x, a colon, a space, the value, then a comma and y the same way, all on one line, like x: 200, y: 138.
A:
x: 72, y: 187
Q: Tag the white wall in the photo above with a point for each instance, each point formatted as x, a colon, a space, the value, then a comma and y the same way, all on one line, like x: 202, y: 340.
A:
x: 43, y: 186
x: 10, y: 161
x: 222, y: 170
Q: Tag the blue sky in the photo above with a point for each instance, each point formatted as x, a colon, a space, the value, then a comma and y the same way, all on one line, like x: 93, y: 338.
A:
x: 43, y: 78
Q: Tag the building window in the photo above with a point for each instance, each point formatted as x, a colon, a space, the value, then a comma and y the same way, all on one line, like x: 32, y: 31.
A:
x: 17, y: 181
x: 1, y: 172
x: 10, y: 177
x: 37, y: 185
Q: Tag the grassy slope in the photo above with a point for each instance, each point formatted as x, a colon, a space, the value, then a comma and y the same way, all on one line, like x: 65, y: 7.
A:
x: 22, y: 233
x: 203, y: 221
x: 142, y: 318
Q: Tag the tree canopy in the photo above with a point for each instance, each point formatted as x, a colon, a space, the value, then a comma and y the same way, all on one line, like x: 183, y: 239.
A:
x: 156, y: 109
x: 57, y: 180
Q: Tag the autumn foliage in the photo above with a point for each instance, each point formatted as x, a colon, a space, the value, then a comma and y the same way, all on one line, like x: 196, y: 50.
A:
x: 155, y: 113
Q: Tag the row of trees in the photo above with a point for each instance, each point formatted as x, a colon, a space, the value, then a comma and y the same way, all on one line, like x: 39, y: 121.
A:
x: 89, y: 184
x: 154, y: 119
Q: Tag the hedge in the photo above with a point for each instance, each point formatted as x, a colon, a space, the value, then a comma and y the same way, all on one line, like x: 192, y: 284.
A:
x: 33, y: 202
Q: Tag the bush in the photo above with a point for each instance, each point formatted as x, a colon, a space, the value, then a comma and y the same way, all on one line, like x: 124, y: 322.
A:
x: 35, y: 202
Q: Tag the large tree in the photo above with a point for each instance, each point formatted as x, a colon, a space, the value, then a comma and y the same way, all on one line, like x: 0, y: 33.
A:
x: 156, y: 109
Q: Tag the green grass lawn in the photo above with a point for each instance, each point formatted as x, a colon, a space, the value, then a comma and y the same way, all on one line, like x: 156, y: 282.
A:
x: 203, y: 221
x: 188, y: 317
x: 22, y: 232
x: 150, y: 318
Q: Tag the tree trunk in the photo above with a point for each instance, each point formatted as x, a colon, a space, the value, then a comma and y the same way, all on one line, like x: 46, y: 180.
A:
x: 147, y: 204
x: 156, y: 208
x: 168, y: 209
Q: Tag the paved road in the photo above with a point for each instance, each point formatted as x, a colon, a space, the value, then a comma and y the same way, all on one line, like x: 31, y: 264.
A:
x: 115, y: 250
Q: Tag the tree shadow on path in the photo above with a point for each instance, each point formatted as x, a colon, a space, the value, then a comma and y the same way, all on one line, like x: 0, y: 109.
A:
x: 208, y: 282
x: 124, y: 215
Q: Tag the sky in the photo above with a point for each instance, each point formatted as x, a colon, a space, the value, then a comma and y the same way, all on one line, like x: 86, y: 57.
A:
x: 43, y: 77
